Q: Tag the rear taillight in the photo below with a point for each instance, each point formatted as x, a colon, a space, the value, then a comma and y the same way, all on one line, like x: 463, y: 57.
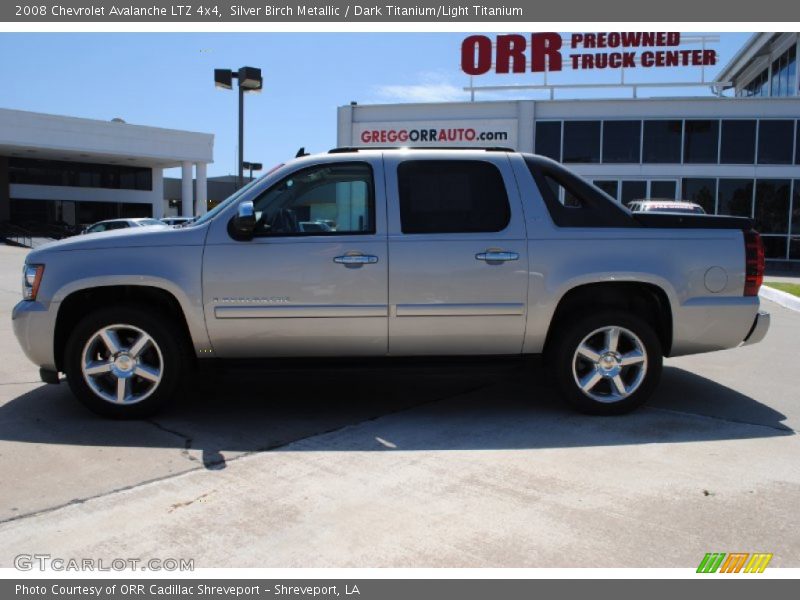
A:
x: 754, y: 262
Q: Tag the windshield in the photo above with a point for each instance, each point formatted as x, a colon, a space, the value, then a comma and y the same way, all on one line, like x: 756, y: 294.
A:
x: 227, y: 202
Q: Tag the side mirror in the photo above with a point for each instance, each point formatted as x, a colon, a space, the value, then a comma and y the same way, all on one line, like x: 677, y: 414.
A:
x: 242, y: 226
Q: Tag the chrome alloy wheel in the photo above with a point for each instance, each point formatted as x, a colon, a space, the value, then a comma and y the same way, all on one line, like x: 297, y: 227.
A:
x: 609, y: 364
x: 122, y: 364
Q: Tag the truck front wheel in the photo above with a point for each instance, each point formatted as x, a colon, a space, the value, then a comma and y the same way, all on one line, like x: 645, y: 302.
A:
x: 607, y: 363
x: 125, y: 362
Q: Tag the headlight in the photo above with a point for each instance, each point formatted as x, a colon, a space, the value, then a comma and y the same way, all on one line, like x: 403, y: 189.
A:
x: 31, y: 278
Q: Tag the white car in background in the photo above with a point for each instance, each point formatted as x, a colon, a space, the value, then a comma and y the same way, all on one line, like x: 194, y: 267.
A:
x: 666, y: 206
x: 112, y: 224
x: 177, y: 221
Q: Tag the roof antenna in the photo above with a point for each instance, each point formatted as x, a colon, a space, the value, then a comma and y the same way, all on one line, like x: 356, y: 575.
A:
x: 301, y: 152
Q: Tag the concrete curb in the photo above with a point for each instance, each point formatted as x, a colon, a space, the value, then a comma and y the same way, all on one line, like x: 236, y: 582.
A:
x: 783, y: 298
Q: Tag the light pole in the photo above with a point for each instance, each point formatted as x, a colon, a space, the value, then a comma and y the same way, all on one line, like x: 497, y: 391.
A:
x: 250, y: 80
x: 253, y: 167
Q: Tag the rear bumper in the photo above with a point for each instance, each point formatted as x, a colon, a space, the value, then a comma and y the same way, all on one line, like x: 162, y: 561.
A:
x: 759, y: 329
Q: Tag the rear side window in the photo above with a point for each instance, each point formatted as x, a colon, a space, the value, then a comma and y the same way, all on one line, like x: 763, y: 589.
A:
x: 452, y: 196
x: 573, y: 201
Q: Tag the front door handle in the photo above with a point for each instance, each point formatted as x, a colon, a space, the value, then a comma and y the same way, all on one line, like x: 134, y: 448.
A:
x: 491, y: 256
x: 356, y: 260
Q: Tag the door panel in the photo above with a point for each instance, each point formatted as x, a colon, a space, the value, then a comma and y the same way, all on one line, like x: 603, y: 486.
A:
x: 289, y: 298
x: 315, y: 282
x: 456, y: 293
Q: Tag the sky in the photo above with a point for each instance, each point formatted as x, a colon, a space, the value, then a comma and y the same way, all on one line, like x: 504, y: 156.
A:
x: 166, y: 80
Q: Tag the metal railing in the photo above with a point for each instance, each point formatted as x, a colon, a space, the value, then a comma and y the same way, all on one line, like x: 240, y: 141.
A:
x: 15, y: 234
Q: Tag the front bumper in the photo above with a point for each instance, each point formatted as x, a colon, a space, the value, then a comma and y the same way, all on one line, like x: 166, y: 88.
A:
x: 759, y: 329
x: 34, y: 326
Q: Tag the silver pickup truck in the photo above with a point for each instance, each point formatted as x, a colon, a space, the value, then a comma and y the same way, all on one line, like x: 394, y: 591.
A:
x: 395, y: 252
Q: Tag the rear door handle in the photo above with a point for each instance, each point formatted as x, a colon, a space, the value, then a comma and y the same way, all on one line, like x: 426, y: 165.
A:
x: 356, y: 260
x: 497, y: 256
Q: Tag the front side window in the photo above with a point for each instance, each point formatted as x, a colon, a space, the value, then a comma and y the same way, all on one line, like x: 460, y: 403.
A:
x: 321, y: 200
x: 452, y: 196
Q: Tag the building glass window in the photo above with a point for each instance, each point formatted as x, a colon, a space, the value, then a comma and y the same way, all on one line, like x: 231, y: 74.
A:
x: 772, y: 206
x: 784, y: 74
x: 735, y: 197
x: 664, y: 190
x: 758, y: 86
x: 797, y: 143
x: 775, y: 141
x: 794, y: 239
x: 796, y: 210
x: 622, y: 141
x: 738, y: 145
x: 581, y: 141
x: 610, y: 186
x: 548, y: 139
x: 700, y: 142
x: 34, y: 171
x: 633, y: 190
x: 452, y: 196
x: 774, y: 246
x: 662, y: 141
x: 702, y: 191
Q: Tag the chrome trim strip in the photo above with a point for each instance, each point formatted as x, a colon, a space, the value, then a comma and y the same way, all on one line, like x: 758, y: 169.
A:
x: 459, y: 310
x: 300, y: 312
x: 491, y: 257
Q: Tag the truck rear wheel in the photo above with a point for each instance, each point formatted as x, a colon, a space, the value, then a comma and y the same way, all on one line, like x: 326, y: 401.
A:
x: 125, y: 362
x: 607, y: 363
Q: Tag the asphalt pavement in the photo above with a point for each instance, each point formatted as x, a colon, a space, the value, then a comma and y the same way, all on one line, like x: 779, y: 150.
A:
x: 438, y: 465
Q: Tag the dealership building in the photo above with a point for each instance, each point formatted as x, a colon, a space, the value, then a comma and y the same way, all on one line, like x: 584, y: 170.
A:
x: 735, y: 151
x: 72, y: 171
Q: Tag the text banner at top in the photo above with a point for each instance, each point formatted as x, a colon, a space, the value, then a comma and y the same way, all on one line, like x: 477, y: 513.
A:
x: 394, y: 11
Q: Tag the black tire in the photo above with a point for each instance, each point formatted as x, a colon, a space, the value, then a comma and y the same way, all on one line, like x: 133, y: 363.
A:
x: 572, y: 333
x: 170, y: 349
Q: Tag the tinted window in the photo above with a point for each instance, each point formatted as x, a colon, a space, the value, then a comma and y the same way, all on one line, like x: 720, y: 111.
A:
x: 701, y: 191
x: 775, y: 141
x: 662, y: 141
x: 338, y: 194
x: 700, y: 141
x: 738, y: 145
x: 66, y: 173
x: 664, y: 189
x: 571, y: 200
x: 633, y: 190
x: 610, y: 187
x: 774, y: 246
x: 451, y: 196
x: 797, y: 144
x: 772, y: 206
x: 548, y: 139
x: 735, y: 197
x: 582, y: 141
x: 622, y: 141
x: 796, y: 211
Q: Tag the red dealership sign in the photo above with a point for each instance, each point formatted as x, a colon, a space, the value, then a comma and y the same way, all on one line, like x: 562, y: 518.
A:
x: 548, y: 51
